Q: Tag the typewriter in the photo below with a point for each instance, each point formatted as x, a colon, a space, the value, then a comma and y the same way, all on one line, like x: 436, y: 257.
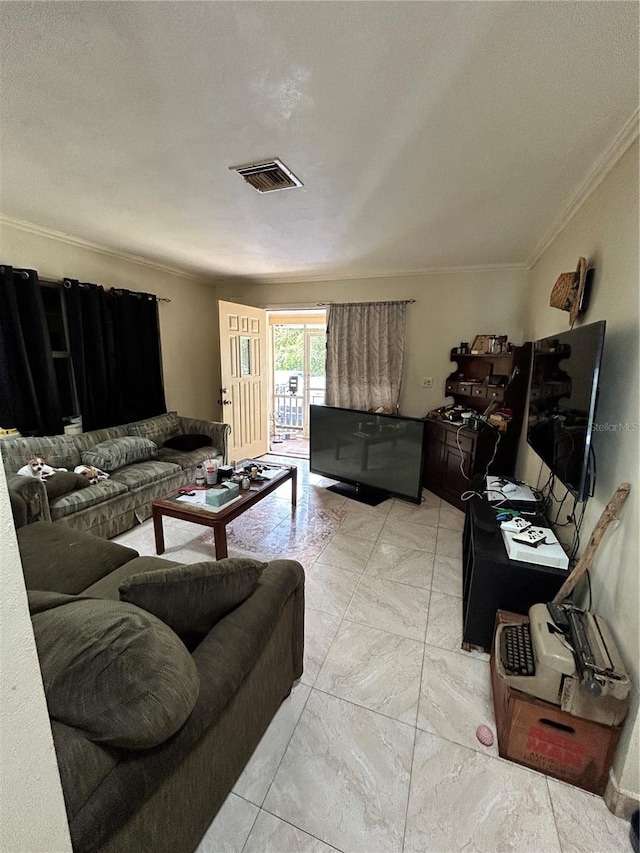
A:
x: 568, y: 657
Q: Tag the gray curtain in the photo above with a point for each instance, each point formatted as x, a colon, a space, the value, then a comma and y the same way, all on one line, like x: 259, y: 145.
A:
x: 365, y: 354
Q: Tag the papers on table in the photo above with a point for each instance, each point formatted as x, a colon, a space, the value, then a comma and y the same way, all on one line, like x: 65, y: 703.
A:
x: 269, y: 473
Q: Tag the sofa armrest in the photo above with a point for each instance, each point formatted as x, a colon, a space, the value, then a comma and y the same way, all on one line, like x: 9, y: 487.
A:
x: 33, y: 493
x: 218, y: 432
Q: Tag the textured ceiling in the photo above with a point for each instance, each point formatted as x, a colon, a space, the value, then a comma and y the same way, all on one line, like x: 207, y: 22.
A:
x: 426, y: 134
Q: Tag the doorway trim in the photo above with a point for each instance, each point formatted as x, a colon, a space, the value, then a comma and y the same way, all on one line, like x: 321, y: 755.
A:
x: 288, y: 410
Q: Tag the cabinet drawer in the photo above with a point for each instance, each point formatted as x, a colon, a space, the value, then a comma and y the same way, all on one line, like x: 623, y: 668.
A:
x: 465, y: 388
x: 459, y: 440
x: 478, y: 391
x: 451, y: 388
x: 495, y: 393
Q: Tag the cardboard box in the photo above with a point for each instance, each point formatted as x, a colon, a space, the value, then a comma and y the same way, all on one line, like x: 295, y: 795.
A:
x: 541, y: 736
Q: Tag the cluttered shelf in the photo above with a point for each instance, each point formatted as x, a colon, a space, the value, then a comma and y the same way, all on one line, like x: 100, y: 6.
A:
x: 479, y: 432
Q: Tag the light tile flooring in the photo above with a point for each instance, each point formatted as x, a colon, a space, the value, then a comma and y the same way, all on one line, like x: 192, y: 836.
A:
x: 375, y: 749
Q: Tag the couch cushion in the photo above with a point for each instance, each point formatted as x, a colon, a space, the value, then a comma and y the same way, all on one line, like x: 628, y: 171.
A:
x: 191, y: 599
x: 133, y: 476
x: 114, y: 672
x: 83, y: 499
x: 158, y: 428
x: 60, y: 451
x: 188, y: 442
x: 188, y: 459
x: 109, y: 586
x: 118, y: 452
x: 63, y: 482
x: 55, y: 557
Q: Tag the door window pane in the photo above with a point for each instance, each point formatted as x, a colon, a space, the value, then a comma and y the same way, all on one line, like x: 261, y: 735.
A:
x: 245, y: 356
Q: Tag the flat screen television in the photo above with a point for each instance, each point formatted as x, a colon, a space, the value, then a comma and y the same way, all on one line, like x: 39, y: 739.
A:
x: 563, y: 392
x: 372, y: 456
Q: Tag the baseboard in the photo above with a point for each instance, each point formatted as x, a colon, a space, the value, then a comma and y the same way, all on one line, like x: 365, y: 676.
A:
x: 620, y: 803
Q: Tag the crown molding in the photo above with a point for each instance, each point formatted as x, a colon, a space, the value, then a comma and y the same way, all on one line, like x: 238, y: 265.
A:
x: 61, y: 237
x: 601, y: 168
x: 276, y: 278
x: 216, y: 277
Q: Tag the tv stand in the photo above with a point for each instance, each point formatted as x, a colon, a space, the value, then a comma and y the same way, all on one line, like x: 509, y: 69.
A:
x: 363, y: 494
x: 492, y: 582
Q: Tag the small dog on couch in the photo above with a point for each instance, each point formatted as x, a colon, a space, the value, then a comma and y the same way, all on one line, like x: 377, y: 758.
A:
x: 38, y: 468
x: 92, y: 474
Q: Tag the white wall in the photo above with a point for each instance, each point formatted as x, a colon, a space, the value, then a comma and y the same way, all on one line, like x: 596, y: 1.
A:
x: 449, y: 307
x: 32, y: 813
x: 188, y: 325
x: 605, y: 231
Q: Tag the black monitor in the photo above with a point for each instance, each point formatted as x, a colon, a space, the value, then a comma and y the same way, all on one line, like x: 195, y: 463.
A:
x: 371, y: 455
x: 563, y: 392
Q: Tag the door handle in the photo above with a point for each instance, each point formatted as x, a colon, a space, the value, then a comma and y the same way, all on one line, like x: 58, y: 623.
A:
x: 224, y: 402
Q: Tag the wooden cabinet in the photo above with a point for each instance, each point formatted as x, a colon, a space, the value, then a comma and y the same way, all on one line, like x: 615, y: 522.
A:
x: 454, y: 453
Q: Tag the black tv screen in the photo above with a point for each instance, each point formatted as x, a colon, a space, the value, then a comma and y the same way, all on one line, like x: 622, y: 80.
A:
x: 375, y: 455
x: 563, y: 391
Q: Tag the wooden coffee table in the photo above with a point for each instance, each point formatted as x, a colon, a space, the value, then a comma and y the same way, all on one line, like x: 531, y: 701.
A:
x: 173, y: 508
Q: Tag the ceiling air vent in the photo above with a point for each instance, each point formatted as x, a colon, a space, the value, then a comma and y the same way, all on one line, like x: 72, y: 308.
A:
x: 268, y: 177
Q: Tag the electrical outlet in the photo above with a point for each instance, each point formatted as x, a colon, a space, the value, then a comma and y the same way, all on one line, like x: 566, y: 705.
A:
x: 426, y: 382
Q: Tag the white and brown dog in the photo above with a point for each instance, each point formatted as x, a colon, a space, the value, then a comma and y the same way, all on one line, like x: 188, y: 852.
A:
x: 38, y: 468
x: 92, y: 474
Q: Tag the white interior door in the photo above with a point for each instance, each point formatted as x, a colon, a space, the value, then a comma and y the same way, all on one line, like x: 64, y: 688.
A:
x: 243, y: 378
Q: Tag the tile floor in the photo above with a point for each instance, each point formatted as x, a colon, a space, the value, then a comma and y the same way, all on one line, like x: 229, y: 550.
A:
x: 375, y: 749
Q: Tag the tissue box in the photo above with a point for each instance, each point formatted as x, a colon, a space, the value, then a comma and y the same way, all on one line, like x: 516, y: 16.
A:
x: 222, y: 494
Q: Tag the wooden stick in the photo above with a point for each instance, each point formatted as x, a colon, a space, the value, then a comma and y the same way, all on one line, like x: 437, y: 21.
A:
x: 611, y: 513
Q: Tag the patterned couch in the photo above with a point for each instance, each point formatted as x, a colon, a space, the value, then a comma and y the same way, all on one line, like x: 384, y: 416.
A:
x: 140, y: 469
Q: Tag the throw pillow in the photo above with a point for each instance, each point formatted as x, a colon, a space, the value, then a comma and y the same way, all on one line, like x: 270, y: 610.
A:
x: 63, y: 482
x: 188, y: 442
x: 118, y: 452
x: 112, y: 671
x: 191, y: 599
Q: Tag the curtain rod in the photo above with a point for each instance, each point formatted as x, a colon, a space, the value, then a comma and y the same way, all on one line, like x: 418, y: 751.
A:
x: 85, y: 285
x: 373, y: 302
x: 66, y: 283
x: 21, y: 273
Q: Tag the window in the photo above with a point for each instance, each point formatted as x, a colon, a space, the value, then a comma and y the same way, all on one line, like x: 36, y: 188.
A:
x: 59, y: 337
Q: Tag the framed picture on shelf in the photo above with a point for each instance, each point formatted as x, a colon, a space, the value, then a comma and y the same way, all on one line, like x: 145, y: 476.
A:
x: 481, y: 345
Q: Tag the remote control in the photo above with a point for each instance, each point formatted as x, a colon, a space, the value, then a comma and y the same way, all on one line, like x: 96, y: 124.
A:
x: 531, y: 536
x: 515, y: 525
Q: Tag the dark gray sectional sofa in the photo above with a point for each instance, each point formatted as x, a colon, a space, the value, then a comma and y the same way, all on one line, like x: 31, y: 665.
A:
x: 145, y: 470
x: 157, y: 798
